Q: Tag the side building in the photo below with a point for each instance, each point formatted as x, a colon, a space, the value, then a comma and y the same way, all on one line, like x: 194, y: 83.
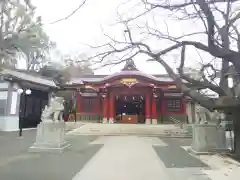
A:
x: 22, y: 98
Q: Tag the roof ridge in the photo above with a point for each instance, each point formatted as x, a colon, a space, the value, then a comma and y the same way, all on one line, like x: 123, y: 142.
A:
x: 32, y: 73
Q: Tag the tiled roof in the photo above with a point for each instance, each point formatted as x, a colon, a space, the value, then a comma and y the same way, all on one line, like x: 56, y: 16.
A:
x: 28, y: 77
x: 75, y: 81
x: 35, y: 78
x: 100, y: 78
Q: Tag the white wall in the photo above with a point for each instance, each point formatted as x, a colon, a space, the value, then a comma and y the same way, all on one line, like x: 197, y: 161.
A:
x: 9, y: 122
x: 4, y: 85
x: 13, y: 109
x: 3, y: 94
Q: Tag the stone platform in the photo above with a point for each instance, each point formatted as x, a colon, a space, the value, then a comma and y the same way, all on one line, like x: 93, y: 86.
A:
x: 50, y: 138
x: 131, y: 129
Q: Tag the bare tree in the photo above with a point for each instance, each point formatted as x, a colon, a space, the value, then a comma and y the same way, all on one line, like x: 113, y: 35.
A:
x: 77, y: 65
x: 222, y: 43
x: 20, y: 31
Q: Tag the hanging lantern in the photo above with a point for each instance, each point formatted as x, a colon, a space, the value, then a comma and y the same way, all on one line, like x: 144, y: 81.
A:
x: 19, y: 91
x: 155, y: 95
x: 28, y: 91
x: 104, y: 95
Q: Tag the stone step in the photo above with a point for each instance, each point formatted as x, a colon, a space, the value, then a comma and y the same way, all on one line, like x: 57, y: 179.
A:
x: 124, y: 131
x: 116, y: 129
x: 129, y: 134
x: 160, y: 134
x: 140, y: 131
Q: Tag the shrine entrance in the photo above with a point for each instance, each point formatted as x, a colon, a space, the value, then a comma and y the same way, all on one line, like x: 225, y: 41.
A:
x: 31, y: 107
x: 130, y: 109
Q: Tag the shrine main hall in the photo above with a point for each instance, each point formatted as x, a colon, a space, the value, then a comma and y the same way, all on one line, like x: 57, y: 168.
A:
x: 131, y: 96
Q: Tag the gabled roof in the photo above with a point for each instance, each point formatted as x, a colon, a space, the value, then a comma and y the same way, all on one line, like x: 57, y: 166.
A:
x: 102, y: 78
x: 129, y: 70
x: 26, y: 76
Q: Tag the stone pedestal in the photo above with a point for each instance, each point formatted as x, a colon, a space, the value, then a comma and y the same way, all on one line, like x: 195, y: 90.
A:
x: 111, y: 121
x: 50, y: 138
x: 188, y: 127
x: 154, y: 121
x: 105, y: 121
x: 148, y: 121
x: 208, y: 139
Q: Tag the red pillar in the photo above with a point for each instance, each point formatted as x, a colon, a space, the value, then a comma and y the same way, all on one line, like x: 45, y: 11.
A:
x: 111, y: 109
x: 147, y: 109
x: 154, y: 110
x: 105, y: 109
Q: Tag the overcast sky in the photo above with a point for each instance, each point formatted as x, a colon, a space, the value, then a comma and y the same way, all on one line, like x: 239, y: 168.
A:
x: 85, y: 28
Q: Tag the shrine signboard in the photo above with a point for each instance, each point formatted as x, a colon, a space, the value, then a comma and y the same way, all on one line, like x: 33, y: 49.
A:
x: 129, y: 81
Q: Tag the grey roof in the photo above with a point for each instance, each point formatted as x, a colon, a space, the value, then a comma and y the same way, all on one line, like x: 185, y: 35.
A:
x: 36, y: 78
x: 75, y: 81
x: 100, y: 78
x: 29, y: 77
x: 139, y: 73
x: 129, y: 70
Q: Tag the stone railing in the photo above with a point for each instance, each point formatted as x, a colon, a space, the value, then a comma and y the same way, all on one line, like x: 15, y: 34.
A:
x: 174, y: 120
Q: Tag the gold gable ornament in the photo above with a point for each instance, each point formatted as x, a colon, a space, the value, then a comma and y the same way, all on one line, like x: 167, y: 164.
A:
x: 90, y: 87
x: 172, y: 87
x: 129, y: 82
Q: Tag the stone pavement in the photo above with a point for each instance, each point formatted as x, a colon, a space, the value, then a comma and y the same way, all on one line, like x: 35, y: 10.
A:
x: 111, y: 157
x: 17, y: 164
x: 224, y: 168
x: 134, y: 158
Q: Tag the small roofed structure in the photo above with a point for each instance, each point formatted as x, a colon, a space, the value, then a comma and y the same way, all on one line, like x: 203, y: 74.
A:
x: 23, y: 95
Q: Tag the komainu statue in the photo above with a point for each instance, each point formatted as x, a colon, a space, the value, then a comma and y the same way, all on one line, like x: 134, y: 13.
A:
x: 201, y: 115
x: 54, y: 111
x: 51, y: 131
x: 204, y: 116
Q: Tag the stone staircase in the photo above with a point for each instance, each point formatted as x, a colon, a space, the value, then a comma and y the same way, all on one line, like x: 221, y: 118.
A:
x: 131, y: 129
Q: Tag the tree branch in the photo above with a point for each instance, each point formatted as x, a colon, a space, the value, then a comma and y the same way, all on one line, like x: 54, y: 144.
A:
x: 194, y: 94
x: 71, y: 14
x: 202, y: 83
